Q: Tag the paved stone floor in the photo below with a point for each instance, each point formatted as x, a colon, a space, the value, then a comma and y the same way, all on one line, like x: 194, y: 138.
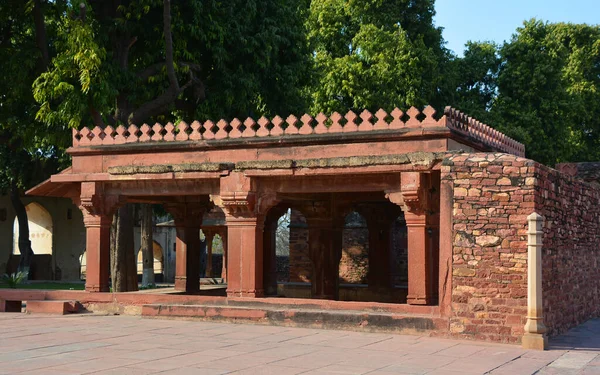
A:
x: 31, y: 344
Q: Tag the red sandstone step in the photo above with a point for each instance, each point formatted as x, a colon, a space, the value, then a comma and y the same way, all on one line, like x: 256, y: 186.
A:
x: 52, y: 307
x: 302, y: 317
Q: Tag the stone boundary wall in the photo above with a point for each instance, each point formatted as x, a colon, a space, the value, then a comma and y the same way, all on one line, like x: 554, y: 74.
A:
x: 571, y: 248
x: 493, y: 195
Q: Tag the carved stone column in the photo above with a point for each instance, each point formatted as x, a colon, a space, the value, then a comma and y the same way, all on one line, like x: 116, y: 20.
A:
x: 270, y: 251
x: 188, y: 219
x: 97, y: 212
x: 209, y: 236
x: 244, y: 214
x: 379, y: 222
x: 415, y: 198
x: 223, y: 235
x: 325, y: 249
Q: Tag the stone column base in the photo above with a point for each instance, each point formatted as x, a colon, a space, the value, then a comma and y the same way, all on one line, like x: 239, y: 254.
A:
x: 535, y: 341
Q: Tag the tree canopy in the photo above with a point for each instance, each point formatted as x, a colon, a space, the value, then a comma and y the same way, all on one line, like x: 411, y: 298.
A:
x: 372, y: 54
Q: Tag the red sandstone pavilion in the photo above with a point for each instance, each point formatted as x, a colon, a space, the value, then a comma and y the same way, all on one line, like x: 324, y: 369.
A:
x: 465, y: 192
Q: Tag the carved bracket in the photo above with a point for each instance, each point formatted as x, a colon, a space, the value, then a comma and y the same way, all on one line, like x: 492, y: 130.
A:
x: 188, y: 213
x: 239, y: 203
x: 93, y: 201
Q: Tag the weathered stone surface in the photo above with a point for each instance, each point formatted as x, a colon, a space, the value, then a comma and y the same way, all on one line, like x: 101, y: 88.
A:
x: 489, y: 297
x: 464, y: 272
x: 158, y: 168
x: 488, y: 241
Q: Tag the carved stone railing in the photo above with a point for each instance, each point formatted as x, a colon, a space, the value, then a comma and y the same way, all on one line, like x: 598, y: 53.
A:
x: 485, y: 134
x: 305, y: 125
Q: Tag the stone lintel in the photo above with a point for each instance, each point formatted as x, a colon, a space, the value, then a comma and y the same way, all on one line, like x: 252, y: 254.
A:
x: 166, y: 168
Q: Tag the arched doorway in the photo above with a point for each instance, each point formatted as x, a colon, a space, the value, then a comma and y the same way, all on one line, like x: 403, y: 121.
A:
x: 157, y: 252
x: 40, y: 230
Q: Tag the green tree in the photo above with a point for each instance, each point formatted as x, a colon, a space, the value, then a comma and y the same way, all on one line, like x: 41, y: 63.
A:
x: 371, y: 54
x: 549, y: 91
x: 130, y: 62
x: 29, y: 150
x: 475, y: 77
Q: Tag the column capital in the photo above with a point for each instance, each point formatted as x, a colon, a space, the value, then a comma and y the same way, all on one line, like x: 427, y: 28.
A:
x: 97, y: 208
x: 413, y: 195
x: 188, y: 213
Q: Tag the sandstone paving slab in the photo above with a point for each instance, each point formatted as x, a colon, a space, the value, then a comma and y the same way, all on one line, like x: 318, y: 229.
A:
x: 195, y: 371
x: 123, y: 345
x: 316, y: 338
x: 550, y: 355
x: 270, y: 369
x: 371, y: 359
x: 47, y: 371
x: 221, y: 353
x: 574, y: 360
x: 37, y: 363
x: 247, y: 347
x: 430, y: 362
x: 286, y: 351
x: 94, y: 365
x: 341, y: 369
x: 521, y: 366
x: 460, y: 350
x: 558, y: 371
x: 237, y: 363
x: 590, y: 370
x: 125, y: 371
x: 446, y: 372
x: 152, y: 354
x: 354, y: 342
x: 173, y: 362
x: 310, y: 361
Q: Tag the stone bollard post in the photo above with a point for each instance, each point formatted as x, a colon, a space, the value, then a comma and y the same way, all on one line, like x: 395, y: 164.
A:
x: 535, y: 330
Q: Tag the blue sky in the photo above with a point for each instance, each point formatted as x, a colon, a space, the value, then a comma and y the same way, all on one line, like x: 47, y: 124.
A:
x: 497, y: 20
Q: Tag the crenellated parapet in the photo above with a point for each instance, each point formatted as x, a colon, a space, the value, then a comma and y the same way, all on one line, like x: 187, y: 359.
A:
x: 469, y: 126
x: 278, y: 128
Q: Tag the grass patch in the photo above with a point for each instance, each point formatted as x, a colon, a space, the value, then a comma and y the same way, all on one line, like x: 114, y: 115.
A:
x: 47, y: 286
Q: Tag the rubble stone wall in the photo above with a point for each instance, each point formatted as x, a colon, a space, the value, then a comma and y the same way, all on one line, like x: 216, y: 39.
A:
x: 493, y: 195
x: 571, y: 248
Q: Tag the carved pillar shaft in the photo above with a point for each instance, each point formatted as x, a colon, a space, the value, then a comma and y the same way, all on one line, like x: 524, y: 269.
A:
x: 270, y: 257
x: 97, y: 228
x: 419, y: 198
x: 209, y: 235
x: 224, y: 243
x: 97, y: 212
x: 379, y: 253
x: 325, y: 250
x: 420, y: 283
x: 245, y: 261
x: 245, y: 206
x: 188, y: 218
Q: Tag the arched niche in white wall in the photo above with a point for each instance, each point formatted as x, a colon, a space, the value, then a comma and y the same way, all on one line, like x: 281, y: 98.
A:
x: 40, y: 230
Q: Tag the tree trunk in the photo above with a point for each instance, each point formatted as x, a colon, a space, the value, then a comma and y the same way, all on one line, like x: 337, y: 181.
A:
x: 24, y: 242
x: 147, y: 246
x: 123, y: 265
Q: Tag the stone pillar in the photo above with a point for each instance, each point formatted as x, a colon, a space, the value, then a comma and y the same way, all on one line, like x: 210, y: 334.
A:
x: 379, y: 223
x: 209, y: 235
x: 244, y: 209
x: 223, y: 235
x: 270, y: 255
x: 535, y: 330
x: 97, y: 251
x: 97, y: 212
x: 188, y: 218
x: 325, y: 251
x: 414, y: 197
